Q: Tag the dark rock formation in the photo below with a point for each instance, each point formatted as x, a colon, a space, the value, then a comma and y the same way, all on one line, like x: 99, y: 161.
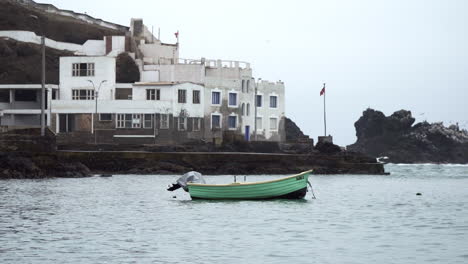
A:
x: 126, y: 69
x: 17, y: 16
x: 28, y: 165
x: 24, y: 154
x: 397, y: 138
x: 21, y: 63
x: 327, y: 147
x: 294, y: 133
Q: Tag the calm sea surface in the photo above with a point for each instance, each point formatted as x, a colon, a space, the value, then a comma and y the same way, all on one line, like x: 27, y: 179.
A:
x: 133, y: 219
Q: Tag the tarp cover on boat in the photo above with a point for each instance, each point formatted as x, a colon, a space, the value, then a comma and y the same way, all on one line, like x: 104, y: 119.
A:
x: 192, y: 176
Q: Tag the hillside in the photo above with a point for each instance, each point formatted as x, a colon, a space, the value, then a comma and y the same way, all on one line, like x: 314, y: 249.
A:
x: 15, y: 15
x: 20, y: 63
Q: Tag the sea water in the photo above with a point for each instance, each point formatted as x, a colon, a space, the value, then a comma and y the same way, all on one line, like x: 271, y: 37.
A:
x: 133, y: 219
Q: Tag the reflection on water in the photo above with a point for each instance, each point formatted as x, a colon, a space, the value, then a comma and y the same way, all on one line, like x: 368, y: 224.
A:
x: 132, y: 219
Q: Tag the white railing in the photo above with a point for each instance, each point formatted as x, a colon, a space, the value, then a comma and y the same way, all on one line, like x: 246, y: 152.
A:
x: 216, y: 63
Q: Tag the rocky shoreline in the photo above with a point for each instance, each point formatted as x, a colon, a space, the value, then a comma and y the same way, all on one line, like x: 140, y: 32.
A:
x: 27, y: 155
x: 24, y: 165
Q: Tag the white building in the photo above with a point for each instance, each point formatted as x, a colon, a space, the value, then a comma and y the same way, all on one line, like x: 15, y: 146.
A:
x: 176, y: 100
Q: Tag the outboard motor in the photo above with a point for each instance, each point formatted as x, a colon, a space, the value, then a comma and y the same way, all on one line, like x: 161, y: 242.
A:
x: 192, y: 176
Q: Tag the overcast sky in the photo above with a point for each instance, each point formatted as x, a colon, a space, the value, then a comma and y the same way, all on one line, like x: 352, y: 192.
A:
x: 383, y: 54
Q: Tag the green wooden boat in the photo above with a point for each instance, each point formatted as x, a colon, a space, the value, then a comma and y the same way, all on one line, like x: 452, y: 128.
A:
x: 292, y: 187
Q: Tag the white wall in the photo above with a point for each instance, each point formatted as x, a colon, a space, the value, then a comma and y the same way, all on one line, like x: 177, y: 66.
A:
x: 118, y: 44
x: 230, y: 80
x: 267, y: 89
x: 180, y: 73
x: 156, y: 53
x: 149, y: 76
x: 138, y: 105
x: 104, y: 69
x: 193, y: 110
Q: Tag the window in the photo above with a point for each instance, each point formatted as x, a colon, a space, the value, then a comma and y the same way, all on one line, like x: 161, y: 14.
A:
x: 273, y: 101
x: 123, y: 93
x: 136, y: 121
x: 164, y: 122
x: 196, y: 124
x: 273, y: 123
x: 232, y: 99
x: 182, y: 96
x: 196, y: 96
x: 243, y: 85
x: 55, y: 95
x: 216, y: 98
x: 259, y: 101
x: 121, y: 121
x: 4, y: 96
x: 148, y: 121
x: 248, y: 109
x: 83, y: 69
x: 82, y: 94
x: 259, y: 123
x: 153, y: 94
x: 243, y: 109
x: 66, y: 123
x: 25, y: 95
x: 182, y: 123
x: 247, y: 86
x: 215, y: 121
x: 129, y: 120
x: 105, y: 117
x: 232, y: 122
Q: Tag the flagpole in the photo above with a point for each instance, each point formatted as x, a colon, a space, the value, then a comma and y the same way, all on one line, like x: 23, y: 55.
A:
x: 324, y: 110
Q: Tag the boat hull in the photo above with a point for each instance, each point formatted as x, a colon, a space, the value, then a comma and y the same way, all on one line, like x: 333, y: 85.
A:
x: 293, y: 187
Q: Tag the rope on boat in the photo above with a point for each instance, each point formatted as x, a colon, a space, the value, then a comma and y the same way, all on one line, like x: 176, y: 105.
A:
x: 312, y: 190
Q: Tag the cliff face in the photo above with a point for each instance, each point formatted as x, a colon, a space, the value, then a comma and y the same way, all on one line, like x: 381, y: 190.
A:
x: 396, y: 137
x: 21, y: 63
x: 15, y: 15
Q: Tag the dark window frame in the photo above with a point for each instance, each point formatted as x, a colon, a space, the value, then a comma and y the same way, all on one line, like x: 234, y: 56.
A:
x: 105, y: 114
x: 196, y: 97
x: 182, y: 96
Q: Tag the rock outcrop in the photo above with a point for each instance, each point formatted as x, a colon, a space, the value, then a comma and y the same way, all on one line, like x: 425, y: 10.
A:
x: 126, y: 69
x: 397, y: 138
x: 21, y: 63
x: 28, y: 165
x: 294, y: 133
x: 26, y: 155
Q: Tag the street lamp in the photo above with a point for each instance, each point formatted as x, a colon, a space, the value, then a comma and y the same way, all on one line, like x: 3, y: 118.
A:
x: 96, y: 94
x: 42, y: 77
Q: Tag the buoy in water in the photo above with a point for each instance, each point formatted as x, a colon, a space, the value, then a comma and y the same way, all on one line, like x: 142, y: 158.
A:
x: 418, y: 194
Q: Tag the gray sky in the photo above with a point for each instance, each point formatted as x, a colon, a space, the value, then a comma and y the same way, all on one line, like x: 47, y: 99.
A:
x: 387, y: 55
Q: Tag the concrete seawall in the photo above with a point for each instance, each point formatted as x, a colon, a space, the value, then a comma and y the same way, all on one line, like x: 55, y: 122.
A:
x: 126, y: 162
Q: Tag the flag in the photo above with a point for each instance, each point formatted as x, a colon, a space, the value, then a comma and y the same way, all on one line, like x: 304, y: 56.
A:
x: 322, y: 92
x: 177, y: 34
